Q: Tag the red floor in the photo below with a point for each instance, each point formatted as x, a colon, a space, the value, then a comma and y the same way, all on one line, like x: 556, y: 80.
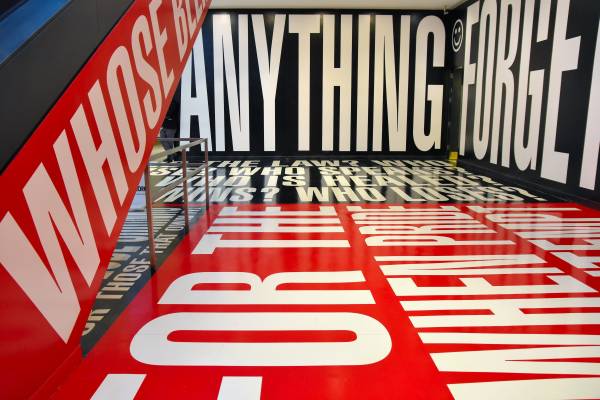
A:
x: 363, y: 302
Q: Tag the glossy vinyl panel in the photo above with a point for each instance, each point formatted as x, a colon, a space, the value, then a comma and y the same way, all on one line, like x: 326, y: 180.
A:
x: 345, y: 322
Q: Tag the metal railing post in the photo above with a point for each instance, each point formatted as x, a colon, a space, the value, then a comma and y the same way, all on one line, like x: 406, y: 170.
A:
x: 185, y: 188
x: 166, y: 189
x: 150, y: 223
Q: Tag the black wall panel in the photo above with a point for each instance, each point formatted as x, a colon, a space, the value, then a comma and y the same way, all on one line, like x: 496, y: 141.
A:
x: 559, y: 102
x: 560, y: 107
x: 35, y: 76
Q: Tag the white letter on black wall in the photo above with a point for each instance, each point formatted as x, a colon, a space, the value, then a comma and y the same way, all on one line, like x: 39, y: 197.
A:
x: 396, y: 97
x: 469, y: 72
x: 589, y: 165
x: 341, y: 77
x: 565, y: 56
x: 530, y: 84
x: 239, y: 115
x: 362, y: 96
x: 505, y: 81
x: 485, y: 58
x: 304, y: 26
x: 269, y: 71
x: 435, y: 93
x: 198, y: 105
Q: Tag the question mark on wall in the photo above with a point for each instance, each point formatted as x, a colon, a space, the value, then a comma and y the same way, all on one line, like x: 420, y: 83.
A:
x: 269, y: 193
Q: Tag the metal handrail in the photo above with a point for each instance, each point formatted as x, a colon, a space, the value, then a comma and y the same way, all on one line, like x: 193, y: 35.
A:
x: 185, y: 177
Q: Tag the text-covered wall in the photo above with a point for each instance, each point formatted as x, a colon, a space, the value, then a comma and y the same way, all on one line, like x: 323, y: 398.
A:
x: 317, y: 82
x: 71, y: 185
x: 530, y: 88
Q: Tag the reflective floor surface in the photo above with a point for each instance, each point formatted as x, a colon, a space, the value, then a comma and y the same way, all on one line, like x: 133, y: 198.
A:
x: 363, y: 300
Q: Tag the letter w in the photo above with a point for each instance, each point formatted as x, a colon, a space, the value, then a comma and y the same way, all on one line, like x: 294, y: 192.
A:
x: 51, y: 290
